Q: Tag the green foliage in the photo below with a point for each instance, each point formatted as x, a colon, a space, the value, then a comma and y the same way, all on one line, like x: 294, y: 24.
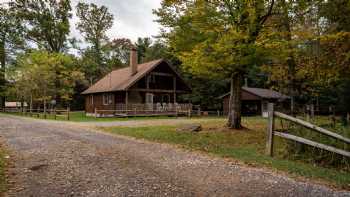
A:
x: 308, y: 47
x: 37, y: 72
x: 3, y: 164
x: 149, y: 50
x: 216, y: 37
x: 118, y: 52
x: 11, y: 40
x: 94, y: 22
x: 142, y: 46
x: 93, y: 25
x: 46, y: 22
x: 205, y: 92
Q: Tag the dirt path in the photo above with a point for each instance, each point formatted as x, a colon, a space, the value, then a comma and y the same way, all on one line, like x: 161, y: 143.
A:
x: 61, y: 159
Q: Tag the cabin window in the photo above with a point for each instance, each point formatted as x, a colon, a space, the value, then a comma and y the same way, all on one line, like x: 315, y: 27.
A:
x: 107, y: 99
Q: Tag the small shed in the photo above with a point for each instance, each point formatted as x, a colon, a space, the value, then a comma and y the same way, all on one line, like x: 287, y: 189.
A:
x: 255, y: 100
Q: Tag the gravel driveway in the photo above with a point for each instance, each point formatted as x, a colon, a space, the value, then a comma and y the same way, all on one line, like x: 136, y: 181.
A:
x: 63, y: 159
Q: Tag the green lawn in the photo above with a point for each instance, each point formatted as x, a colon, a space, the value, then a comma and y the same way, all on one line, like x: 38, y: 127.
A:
x: 81, y: 117
x: 247, y: 146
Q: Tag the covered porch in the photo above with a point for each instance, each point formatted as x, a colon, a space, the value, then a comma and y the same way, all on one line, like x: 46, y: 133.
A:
x: 159, y: 109
x: 136, y: 103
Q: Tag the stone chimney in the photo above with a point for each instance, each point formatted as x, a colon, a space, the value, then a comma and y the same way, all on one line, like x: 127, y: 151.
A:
x: 133, y: 61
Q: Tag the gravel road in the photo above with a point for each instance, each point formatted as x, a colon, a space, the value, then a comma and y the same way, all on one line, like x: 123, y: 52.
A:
x: 63, y: 159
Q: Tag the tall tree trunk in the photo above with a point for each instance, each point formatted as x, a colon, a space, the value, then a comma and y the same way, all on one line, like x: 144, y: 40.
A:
x: 291, y: 60
x: 2, y: 70
x: 31, y: 103
x: 234, y: 117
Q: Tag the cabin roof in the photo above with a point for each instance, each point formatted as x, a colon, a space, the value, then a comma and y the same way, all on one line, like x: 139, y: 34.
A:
x: 262, y: 93
x: 121, y: 80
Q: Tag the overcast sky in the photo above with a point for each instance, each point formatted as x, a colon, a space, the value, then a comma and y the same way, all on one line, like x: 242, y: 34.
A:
x: 132, y: 18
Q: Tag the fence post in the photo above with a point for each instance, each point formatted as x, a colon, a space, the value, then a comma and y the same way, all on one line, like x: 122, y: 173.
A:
x: 95, y: 112
x: 333, y: 118
x: 308, y: 113
x: 54, y: 113
x: 68, y: 109
x: 270, y: 129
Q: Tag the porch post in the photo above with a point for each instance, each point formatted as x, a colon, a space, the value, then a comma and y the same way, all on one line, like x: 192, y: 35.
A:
x: 126, y: 100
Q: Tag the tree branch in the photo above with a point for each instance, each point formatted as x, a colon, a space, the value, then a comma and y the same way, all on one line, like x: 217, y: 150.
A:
x: 268, y: 14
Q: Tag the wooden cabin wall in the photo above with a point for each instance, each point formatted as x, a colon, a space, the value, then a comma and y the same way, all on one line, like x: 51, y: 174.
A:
x: 118, y: 97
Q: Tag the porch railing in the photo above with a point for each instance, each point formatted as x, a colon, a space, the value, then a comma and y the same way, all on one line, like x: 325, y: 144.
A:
x: 146, y: 109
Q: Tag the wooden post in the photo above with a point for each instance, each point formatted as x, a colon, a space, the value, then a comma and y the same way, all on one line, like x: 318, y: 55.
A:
x: 54, y: 113
x: 219, y: 113
x: 44, y: 108
x: 95, y: 112
x: 270, y: 130
x: 333, y: 119
x: 68, y: 109
x: 31, y: 106
x: 189, y: 113
x: 126, y: 100
x: 308, y: 113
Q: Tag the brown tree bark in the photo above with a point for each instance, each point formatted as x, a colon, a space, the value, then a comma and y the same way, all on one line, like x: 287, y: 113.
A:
x: 2, y: 71
x: 234, y: 115
x: 291, y: 60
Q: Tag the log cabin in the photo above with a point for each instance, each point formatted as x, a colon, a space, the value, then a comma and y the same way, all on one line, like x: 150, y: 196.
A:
x: 150, y: 88
x: 255, y: 100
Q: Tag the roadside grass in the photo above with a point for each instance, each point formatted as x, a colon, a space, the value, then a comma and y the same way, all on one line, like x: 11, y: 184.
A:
x: 247, y: 146
x: 81, y: 117
x: 3, y: 184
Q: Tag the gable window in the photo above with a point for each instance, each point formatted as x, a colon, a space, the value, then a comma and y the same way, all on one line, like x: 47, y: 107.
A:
x: 107, y: 99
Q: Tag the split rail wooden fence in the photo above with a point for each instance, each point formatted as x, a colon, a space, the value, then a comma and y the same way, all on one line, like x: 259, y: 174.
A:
x: 65, y: 113
x: 271, y: 133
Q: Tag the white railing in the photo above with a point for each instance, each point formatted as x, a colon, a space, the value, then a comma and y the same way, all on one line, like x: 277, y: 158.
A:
x: 146, y: 109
